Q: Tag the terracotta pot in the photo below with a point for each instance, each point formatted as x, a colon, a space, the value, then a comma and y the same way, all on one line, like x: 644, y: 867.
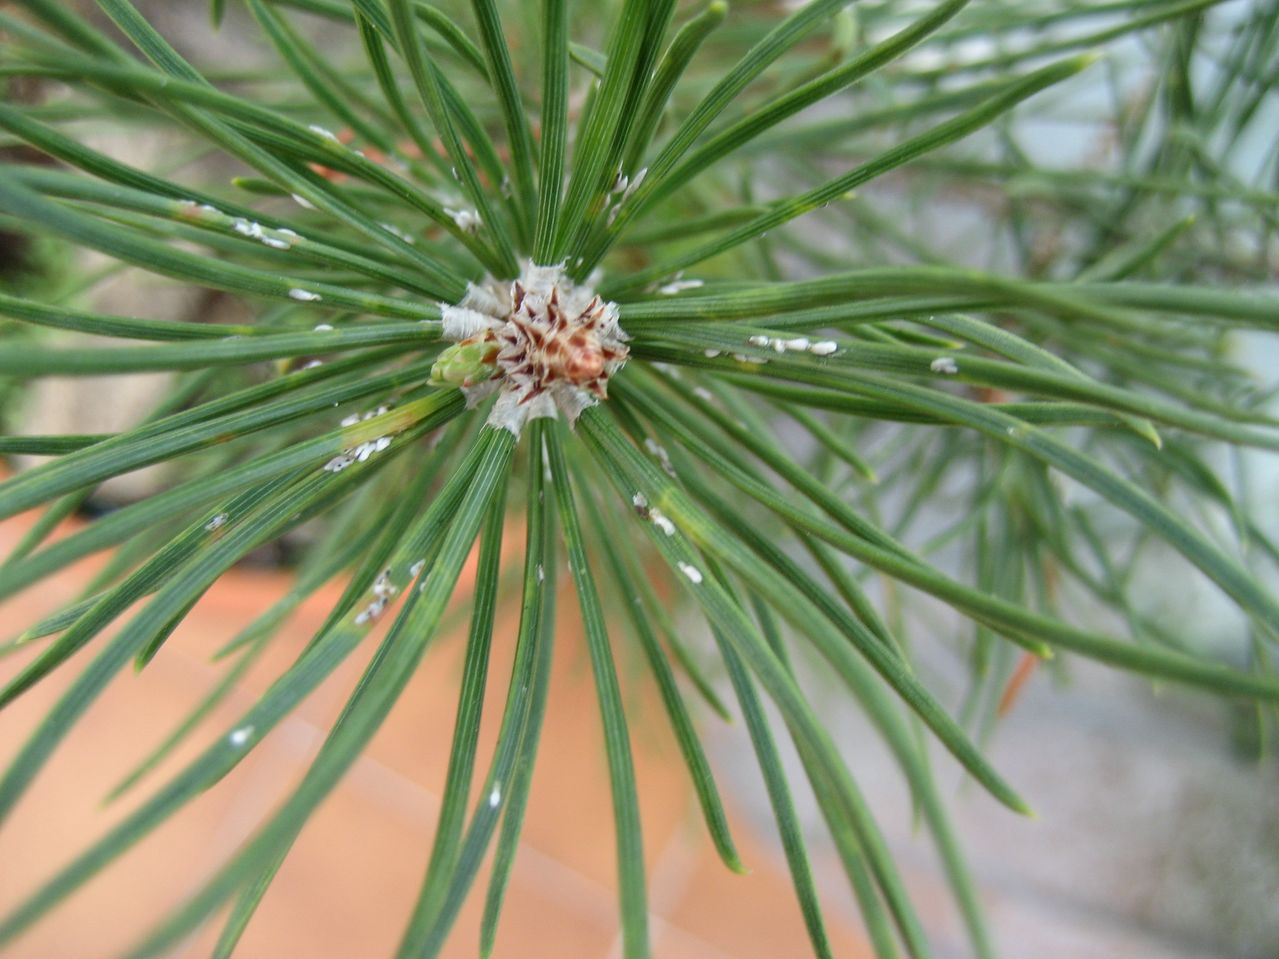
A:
x: 348, y: 885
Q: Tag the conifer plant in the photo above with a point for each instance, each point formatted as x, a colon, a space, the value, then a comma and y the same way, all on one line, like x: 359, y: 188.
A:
x: 762, y: 324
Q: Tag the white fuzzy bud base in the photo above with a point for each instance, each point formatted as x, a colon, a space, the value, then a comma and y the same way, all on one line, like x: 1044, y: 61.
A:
x: 558, y: 344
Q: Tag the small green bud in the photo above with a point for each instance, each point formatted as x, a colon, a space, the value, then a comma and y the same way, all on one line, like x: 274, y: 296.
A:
x: 471, y: 361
